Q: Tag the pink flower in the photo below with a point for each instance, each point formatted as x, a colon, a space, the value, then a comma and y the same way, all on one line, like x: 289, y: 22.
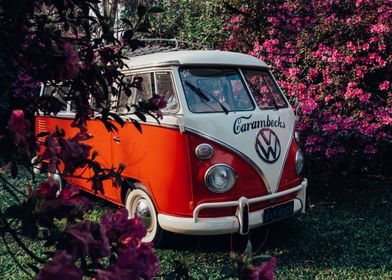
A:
x: 328, y: 98
x: 265, y: 271
x: 235, y: 19
x: 19, y: 127
x: 313, y: 73
x: 349, y: 59
x: 379, y: 28
x: 384, y: 85
x: 330, y: 128
x: 330, y: 152
x: 308, y: 106
x: 370, y: 149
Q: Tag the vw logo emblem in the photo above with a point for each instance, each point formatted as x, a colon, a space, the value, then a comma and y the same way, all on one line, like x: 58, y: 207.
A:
x: 267, y: 145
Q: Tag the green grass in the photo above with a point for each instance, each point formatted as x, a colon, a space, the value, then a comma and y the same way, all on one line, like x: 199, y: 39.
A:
x: 346, y: 234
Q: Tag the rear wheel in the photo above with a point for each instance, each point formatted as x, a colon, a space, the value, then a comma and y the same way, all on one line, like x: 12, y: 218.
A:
x: 139, y: 203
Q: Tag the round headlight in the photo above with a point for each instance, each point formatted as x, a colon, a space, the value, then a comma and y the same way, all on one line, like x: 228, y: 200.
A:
x: 220, y: 178
x: 204, y: 151
x: 299, y: 162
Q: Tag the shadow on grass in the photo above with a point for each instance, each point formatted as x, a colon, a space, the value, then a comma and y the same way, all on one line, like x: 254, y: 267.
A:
x: 349, y: 224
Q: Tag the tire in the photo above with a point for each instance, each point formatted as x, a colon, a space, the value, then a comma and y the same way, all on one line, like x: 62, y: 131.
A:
x: 138, y: 200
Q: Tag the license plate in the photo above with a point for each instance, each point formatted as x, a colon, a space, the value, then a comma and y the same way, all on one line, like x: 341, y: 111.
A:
x: 278, y: 212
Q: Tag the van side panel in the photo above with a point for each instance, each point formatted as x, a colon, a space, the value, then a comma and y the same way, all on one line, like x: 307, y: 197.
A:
x: 157, y: 157
x: 100, y: 142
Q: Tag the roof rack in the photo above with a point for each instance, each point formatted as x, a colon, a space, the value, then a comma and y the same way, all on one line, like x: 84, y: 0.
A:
x: 165, y: 45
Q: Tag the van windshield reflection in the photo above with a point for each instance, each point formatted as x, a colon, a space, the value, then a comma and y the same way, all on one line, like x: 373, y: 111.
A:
x: 215, y: 90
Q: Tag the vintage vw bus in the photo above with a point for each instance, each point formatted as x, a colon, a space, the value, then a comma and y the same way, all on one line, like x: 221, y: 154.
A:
x: 224, y: 158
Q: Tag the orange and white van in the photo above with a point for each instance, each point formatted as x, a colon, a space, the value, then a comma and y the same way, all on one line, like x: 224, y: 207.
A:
x: 224, y: 157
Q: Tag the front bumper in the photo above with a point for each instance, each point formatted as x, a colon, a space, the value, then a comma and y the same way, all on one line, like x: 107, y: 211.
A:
x: 241, y: 222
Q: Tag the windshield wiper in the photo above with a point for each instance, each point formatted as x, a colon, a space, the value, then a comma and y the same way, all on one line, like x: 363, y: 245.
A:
x: 269, y: 93
x: 204, y: 96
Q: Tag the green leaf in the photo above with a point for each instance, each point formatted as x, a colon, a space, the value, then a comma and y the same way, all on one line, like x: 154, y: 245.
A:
x: 118, y: 119
x: 42, y: 134
x: 144, y: 26
x: 141, y: 11
x: 127, y: 21
x: 137, y: 125
x: 155, y: 9
x: 33, y: 267
x: 14, y: 169
x: 141, y: 116
x: 128, y: 35
x: 29, y: 227
x: 14, y: 211
x: 248, y: 249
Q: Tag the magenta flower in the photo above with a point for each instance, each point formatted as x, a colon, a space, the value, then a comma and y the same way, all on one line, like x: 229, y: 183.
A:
x: 19, y: 128
x: 265, y: 271
x: 61, y: 267
x: 119, y: 228
x: 370, y: 149
x: 384, y: 85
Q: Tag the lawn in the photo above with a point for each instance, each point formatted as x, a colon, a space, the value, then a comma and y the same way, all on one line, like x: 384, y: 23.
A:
x: 346, y: 234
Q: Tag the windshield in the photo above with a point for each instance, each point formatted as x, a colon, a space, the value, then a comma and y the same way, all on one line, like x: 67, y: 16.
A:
x: 264, y: 89
x: 215, y: 90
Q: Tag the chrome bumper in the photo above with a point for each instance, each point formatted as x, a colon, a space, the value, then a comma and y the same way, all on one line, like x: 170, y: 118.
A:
x: 241, y: 222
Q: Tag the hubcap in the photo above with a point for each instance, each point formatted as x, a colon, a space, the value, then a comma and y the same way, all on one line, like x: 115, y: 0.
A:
x: 143, y: 211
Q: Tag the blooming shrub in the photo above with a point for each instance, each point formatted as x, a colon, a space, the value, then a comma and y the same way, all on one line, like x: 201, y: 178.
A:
x: 335, y: 58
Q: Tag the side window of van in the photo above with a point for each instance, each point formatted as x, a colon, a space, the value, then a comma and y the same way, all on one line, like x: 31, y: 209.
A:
x: 147, y: 87
x: 160, y: 83
x: 124, y: 100
x: 165, y: 88
x: 57, y: 93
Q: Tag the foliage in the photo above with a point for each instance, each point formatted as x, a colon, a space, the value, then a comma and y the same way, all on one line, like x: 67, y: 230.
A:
x: 71, y: 46
x: 193, y: 21
x: 335, y: 58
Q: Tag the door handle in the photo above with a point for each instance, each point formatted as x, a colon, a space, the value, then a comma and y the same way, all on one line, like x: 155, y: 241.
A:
x: 116, y: 139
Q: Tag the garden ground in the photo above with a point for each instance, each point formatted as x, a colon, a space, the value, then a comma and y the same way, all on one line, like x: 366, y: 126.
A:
x: 346, y: 234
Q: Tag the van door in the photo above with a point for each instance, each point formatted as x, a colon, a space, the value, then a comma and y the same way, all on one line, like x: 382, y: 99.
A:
x: 147, y: 153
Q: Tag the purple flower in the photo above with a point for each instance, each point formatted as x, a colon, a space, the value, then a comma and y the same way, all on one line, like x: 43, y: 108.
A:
x: 61, y: 267
x: 265, y: 271
x: 120, y: 228
x: 134, y: 262
x: 88, y: 238
x: 48, y: 189
x: 51, y: 153
x: 160, y: 101
x: 19, y: 126
x: 70, y: 69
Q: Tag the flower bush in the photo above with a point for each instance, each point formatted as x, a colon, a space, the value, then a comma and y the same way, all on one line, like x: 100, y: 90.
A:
x: 335, y: 58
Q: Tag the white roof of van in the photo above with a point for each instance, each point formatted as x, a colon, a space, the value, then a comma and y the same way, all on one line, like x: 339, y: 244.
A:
x: 191, y: 57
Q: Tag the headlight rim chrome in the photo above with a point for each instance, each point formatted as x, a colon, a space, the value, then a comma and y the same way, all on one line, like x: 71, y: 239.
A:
x: 299, y: 159
x: 209, y: 170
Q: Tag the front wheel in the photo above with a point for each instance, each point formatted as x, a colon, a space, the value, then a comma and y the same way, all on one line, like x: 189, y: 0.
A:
x: 139, y: 203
